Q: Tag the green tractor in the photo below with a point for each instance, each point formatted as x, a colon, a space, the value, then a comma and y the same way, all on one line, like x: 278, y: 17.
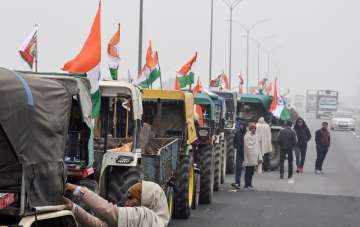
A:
x: 204, y: 146
x: 229, y: 128
x: 220, y: 152
x: 249, y: 109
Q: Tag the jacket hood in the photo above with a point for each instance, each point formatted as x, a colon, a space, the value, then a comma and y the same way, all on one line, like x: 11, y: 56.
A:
x: 153, y: 197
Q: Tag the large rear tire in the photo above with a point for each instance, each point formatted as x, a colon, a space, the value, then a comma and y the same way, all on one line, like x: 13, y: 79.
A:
x: 230, y: 156
x: 223, y: 161
x: 217, y: 167
x: 120, y: 180
x: 207, y: 175
x: 274, y: 157
x: 184, y: 188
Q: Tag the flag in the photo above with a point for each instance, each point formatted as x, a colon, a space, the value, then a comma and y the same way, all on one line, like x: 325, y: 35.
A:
x: 220, y: 81
x: 151, y: 70
x: 185, y: 76
x: 198, y: 87
x: 269, y: 88
x: 88, y: 62
x: 275, y: 98
x: 113, y: 54
x: 199, y: 115
x: 241, y: 79
x: 28, y: 49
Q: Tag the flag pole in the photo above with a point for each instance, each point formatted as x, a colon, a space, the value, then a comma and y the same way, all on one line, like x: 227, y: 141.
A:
x: 36, y: 58
x: 157, y: 57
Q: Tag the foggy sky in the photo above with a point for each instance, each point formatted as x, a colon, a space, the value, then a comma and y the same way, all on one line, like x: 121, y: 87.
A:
x: 318, y: 39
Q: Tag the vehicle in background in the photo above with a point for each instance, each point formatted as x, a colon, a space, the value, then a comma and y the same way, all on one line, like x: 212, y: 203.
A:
x: 326, y: 103
x: 343, y: 121
x: 33, y: 137
x: 249, y: 109
x: 299, y: 103
x: 229, y: 128
x: 310, y: 104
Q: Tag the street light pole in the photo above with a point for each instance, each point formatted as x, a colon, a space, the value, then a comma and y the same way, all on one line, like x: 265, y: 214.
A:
x: 231, y: 7
x: 140, y: 35
x: 211, y: 39
x: 248, y: 30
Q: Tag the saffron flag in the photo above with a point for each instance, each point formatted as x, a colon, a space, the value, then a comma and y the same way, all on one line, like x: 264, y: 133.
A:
x: 28, y: 50
x: 185, y: 76
x: 151, y: 70
x: 88, y: 62
x: 199, y: 115
x: 113, y: 54
x: 198, y: 87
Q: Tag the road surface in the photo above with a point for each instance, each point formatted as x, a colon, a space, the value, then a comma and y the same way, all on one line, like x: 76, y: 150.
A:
x: 332, y: 199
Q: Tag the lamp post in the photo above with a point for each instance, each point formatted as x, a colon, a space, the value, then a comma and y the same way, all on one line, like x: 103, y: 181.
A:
x: 140, y: 34
x: 269, y: 52
x: 211, y: 39
x: 231, y: 6
x: 248, y: 29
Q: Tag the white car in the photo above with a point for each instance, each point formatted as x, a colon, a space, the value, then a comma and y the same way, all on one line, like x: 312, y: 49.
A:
x: 342, y: 121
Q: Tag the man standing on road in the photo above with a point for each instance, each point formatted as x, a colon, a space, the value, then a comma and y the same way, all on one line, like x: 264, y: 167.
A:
x: 263, y: 141
x: 322, y: 139
x: 287, y: 141
x: 239, y: 145
x: 303, y: 136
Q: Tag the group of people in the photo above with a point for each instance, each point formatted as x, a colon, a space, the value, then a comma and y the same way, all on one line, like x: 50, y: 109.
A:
x: 253, y: 143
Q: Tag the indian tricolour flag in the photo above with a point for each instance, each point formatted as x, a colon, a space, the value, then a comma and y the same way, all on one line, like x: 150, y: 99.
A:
x: 113, y: 54
x: 185, y: 76
x: 278, y: 106
x: 221, y: 81
x: 28, y: 49
x: 88, y: 62
x: 151, y: 70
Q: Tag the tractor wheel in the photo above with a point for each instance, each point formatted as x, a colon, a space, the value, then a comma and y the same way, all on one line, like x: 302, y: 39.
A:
x: 274, y: 157
x: 207, y: 175
x: 223, y: 161
x: 184, y: 190
x: 230, y: 156
x: 217, y: 167
x: 170, y: 199
x: 120, y: 180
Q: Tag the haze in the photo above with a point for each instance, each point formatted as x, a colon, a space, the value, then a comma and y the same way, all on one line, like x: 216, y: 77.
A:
x: 317, y: 39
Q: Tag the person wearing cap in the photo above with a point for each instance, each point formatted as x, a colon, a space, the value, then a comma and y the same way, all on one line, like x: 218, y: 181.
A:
x: 252, y: 157
x: 146, y: 206
x: 287, y: 140
x: 239, y: 146
x: 322, y: 139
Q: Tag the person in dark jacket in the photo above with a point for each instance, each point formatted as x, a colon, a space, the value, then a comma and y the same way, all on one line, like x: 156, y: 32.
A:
x: 239, y: 146
x: 303, y: 137
x: 322, y: 139
x: 287, y: 141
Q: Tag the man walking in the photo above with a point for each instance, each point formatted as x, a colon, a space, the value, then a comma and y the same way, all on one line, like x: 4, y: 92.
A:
x: 287, y: 141
x: 239, y: 145
x: 303, y: 136
x: 322, y: 139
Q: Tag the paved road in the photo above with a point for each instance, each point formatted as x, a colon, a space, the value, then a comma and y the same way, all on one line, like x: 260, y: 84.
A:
x: 332, y: 199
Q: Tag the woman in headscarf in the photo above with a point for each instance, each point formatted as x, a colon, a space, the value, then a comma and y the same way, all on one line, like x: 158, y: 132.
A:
x: 252, y: 157
x: 303, y: 137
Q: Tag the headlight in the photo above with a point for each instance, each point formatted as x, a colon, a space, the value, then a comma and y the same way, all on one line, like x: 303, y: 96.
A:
x: 203, y: 132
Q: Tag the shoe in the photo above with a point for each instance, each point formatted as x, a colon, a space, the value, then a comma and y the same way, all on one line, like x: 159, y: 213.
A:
x: 322, y: 172
x: 237, y: 186
x: 281, y: 177
x: 291, y: 181
x: 247, y: 188
x: 298, y: 170
x: 317, y: 171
